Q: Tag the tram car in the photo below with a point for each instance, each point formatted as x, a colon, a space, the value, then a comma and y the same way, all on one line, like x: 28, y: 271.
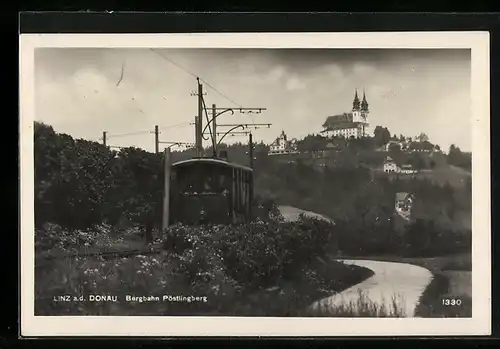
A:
x: 210, y: 191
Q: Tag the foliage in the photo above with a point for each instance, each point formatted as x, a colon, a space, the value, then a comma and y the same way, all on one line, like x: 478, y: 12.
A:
x: 363, y: 306
x: 81, y: 184
x: 312, y: 143
x: 382, y: 136
x: 256, y: 254
x: 421, y: 146
x: 460, y: 159
x: 228, y: 265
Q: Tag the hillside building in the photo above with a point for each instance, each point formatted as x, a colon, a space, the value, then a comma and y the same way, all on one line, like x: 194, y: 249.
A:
x: 347, y: 125
x: 282, y: 145
x: 403, y: 204
x: 391, y: 166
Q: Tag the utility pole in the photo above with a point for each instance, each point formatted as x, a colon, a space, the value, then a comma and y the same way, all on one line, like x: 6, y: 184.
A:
x: 199, y: 124
x: 104, y: 137
x: 214, y: 130
x: 167, y: 156
x: 250, y: 153
x: 250, y: 149
x: 195, y: 123
x: 157, y: 140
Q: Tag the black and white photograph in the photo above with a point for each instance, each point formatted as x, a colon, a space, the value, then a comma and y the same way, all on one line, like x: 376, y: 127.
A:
x: 248, y: 183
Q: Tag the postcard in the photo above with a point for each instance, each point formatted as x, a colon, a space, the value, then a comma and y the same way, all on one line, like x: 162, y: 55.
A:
x: 271, y: 184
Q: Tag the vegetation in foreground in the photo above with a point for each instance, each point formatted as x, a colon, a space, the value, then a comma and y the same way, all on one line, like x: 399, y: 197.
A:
x: 267, y: 268
x: 363, y: 306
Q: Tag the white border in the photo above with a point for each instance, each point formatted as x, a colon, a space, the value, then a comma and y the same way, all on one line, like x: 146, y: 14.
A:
x: 479, y: 324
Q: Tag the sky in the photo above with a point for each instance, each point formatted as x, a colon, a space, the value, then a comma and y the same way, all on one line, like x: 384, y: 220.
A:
x: 82, y: 92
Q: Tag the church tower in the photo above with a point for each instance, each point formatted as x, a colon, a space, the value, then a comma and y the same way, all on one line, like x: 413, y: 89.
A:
x: 356, y: 104
x: 356, y: 108
x: 364, y: 108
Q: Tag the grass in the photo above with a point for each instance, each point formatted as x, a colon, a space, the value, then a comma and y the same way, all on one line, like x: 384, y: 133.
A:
x: 457, y: 177
x: 437, y: 301
x: 362, y: 306
x: 162, y: 274
x: 317, y: 281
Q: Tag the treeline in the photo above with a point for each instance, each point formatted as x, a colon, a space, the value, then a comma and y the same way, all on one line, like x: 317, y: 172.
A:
x: 354, y: 194
x: 79, y: 184
x: 460, y: 159
x: 348, y: 190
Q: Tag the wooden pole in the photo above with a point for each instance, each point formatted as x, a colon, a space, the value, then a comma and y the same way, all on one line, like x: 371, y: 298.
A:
x: 166, y: 192
x: 199, y: 144
x: 214, y: 131
x: 157, y: 140
x: 251, y: 179
x: 104, y: 137
x: 250, y: 149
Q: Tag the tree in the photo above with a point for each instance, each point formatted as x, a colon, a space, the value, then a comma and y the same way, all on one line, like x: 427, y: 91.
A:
x: 311, y: 143
x: 457, y: 158
x: 422, y: 137
x: 381, y: 135
x: 416, y: 161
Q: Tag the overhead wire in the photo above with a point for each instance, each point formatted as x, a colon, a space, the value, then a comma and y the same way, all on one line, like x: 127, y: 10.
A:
x: 184, y: 123
x: 196, y: 76
x: 146, y: 131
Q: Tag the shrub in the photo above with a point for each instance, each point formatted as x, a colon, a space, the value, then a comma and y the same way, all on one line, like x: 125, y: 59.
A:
x: 258, y: 253
x: 228, y: 265
x: 431, y: 302
x: 80, y: 184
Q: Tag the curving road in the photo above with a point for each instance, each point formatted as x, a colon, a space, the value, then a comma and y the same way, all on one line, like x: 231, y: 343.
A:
x: 399, y: 282
x: 291, y: 213
x: 392, y: 282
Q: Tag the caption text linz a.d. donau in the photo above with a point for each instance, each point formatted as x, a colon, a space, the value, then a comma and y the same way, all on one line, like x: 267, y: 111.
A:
x: 128, y: 298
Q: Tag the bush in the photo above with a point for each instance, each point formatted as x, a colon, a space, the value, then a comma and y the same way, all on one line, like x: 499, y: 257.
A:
x: 228, y: 265
x: 80, y: 184
x: 259, y: 253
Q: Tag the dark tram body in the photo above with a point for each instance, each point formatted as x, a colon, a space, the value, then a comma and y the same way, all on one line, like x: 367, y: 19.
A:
x: 210, y: 190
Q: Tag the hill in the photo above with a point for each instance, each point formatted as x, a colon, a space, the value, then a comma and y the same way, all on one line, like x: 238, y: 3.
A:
x: 344, y: 189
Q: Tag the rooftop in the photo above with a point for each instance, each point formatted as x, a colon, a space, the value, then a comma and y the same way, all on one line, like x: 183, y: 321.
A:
x: 401, y: 196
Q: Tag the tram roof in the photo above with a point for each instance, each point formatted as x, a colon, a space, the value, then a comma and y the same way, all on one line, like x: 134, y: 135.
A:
x: 215, y: 161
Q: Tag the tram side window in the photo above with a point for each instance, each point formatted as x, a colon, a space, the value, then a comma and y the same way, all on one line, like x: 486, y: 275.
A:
x: 244, y: 190
x: 234, y: 190
x: 237, y: 189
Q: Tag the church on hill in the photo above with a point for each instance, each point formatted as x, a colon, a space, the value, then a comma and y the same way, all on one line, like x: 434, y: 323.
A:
x: 349, y: 125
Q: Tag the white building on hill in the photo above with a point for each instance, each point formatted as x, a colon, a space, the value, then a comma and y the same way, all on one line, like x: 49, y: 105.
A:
x: 347, y: 125
x: 283, y: 146
x: 390, y: 166
x: 403, y: 204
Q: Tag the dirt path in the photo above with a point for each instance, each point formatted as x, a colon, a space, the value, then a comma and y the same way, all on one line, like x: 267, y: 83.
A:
x: 392, y: 282
x: 292, y: 213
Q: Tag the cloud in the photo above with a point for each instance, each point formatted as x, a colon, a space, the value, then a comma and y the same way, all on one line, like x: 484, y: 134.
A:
x: 294, y: 83
x: 276, y: 73
x: 76, y: 90
x: 362, y: 70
